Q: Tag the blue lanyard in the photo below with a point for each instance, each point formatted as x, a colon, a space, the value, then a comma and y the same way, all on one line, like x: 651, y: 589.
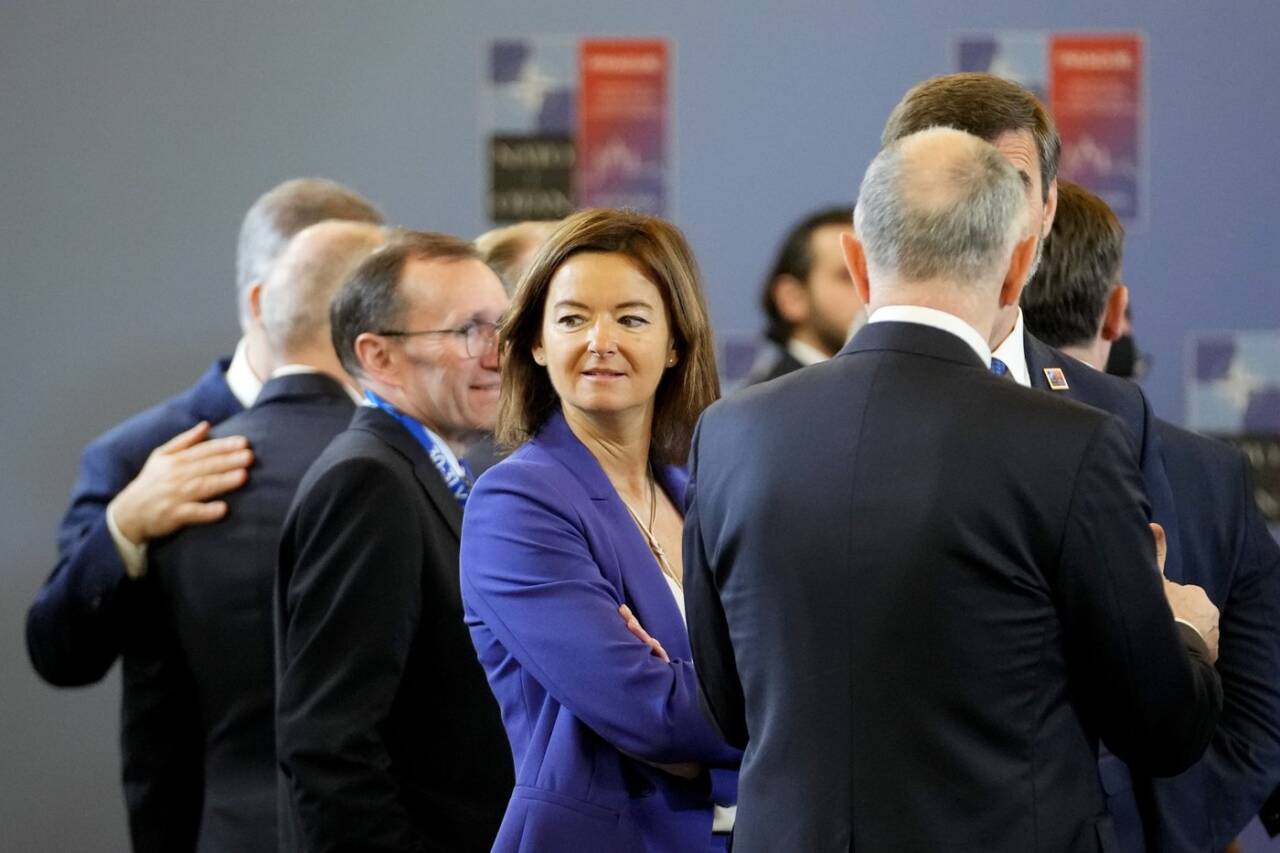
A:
x: 456, y: 482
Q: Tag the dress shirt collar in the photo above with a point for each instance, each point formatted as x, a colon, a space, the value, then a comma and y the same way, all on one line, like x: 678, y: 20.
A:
x: 1013, y: 352
x: 243, y: 382
x: 300, y: 369
x: 804, y: 353
x: 938, y: 320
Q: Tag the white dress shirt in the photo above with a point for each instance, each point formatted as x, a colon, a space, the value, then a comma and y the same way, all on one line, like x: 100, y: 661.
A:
x: 938, y: 320
x: 1013, y: 352
x: 804, y: 353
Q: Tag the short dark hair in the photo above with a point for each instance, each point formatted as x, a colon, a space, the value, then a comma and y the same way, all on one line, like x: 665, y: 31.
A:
x: 983, y: 105
x: 795, y: 258
x: 662, y: 254
x: 370, y: 300
x: 1064, y: 301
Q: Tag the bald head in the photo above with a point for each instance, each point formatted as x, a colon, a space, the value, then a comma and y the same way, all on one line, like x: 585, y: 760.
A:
x: 302, y: 282
x: 940, y: 206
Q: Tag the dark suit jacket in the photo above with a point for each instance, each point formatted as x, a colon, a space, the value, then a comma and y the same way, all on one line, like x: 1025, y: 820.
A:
x: 920, y: 594
x: 1228, y: 550
x: 782, y: 363
x: 89, y: 612
x: 217, y: 583
x: 387, y: 735
x: 1125, y: 400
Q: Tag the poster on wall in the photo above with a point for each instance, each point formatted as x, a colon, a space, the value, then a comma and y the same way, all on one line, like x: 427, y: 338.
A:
x: 1093, y: 86
x: 577, y: 122
x: 1233, y: 391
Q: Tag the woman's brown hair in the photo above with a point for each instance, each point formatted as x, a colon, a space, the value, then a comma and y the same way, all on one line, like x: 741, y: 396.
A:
x: 662, y: 254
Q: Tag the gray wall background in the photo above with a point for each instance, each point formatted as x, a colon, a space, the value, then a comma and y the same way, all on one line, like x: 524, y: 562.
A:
x: 134, y: 135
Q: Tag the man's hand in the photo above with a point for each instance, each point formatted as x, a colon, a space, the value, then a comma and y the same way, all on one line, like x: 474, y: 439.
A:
x: 174, y: 487
x: 634, y: 626
x: 1189, y: 602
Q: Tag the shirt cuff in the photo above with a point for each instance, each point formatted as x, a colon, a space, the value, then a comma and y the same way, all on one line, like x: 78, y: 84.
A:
x: 723, y: 818
x: 1192, y: 627
x: 133, y: 556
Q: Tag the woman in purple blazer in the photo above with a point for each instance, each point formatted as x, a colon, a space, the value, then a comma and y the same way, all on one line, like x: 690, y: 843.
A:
x: 573, y: 543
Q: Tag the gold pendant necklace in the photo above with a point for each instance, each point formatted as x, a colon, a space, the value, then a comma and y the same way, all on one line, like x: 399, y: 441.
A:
x: 659, y: 553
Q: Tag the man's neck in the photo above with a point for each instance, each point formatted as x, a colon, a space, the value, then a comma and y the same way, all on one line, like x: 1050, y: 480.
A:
x: 940, y: 297
x: 1006, y: 321
x: 1093, y: 354
x: 619, y: 442
x: 258, y: 354
x: 459, y: 442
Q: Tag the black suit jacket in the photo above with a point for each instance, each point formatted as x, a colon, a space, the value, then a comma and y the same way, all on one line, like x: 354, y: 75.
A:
x: 918, y: 595
x: 388, y: 736
x: 217, y: 583
x: 1228, y: 550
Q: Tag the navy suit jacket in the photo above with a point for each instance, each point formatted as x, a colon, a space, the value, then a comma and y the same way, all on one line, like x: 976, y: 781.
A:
x: 1125, y: 400
x: 387, y: 735
x: 217, y: 583
x: 919, y: 595
x: 549, y: 553
x: 1228, y: 550
x: 89, y: 612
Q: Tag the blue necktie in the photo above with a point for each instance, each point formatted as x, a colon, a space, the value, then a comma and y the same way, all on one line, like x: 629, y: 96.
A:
x: 999, y: 368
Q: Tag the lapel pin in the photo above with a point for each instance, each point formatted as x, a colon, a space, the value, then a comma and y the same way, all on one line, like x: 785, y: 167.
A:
x: 1057, y: 379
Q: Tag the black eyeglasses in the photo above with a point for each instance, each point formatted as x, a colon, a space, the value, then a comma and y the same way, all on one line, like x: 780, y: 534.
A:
x: 479, y: 335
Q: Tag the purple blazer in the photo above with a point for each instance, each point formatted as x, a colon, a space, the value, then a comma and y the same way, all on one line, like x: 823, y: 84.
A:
x: 549, y: 552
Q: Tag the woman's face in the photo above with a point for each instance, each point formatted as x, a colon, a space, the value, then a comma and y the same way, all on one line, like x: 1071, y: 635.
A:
x: 605, y: 336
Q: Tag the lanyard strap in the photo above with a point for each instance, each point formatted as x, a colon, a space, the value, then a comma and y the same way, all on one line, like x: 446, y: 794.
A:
x: 453, y: 478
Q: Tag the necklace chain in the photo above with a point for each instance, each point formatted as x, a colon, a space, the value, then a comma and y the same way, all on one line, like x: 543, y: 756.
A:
x: 655, y: 546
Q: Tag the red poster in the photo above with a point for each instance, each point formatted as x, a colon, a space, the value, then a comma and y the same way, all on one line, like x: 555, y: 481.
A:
x: 622, y: 145
x: 1095, y: 94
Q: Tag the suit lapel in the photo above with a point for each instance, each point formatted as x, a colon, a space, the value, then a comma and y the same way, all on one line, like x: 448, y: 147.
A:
x: 385, y: 427
x: 644, y: 587
x: 1039, y: 356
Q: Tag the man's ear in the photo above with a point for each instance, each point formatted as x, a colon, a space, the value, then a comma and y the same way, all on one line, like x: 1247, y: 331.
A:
x: 791, y: 298
x: 1015, y: 278
x: 1113, y: 316
x: 255, y: 301
x: 377, y: 361
x: 855, y: 260
x: 1050, y: 208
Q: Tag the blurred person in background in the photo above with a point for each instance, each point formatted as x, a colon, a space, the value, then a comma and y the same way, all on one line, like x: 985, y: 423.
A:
x: 216, y: 580
x: 1077, y: 303
x: 808, y: 297
x: 143, y: 479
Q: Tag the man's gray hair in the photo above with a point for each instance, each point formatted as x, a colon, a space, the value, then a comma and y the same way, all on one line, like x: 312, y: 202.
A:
x: 278, y: 215
x: 302, y: 282
x: 955, y: 217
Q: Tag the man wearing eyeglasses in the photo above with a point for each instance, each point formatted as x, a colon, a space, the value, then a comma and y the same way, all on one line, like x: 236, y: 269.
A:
x: 387, y: 735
